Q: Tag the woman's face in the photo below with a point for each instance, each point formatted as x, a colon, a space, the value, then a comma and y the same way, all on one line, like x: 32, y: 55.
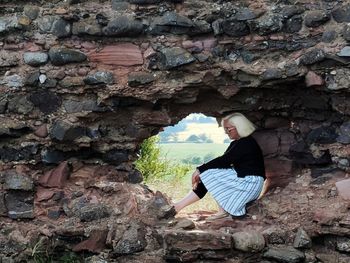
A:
x: 230, y: 130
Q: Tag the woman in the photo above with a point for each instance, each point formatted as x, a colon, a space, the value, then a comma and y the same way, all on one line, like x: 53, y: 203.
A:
x: 236, y: 177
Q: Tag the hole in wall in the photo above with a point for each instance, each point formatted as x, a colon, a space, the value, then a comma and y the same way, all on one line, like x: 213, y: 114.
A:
x: 194, y: 140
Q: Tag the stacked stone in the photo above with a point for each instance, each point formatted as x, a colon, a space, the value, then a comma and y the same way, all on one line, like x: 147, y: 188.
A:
x: 85, y: 82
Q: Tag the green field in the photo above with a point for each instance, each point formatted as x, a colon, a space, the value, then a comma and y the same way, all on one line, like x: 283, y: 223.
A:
x: 179, y: 151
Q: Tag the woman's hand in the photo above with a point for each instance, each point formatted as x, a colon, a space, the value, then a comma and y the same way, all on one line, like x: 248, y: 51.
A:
x: 195, y: 178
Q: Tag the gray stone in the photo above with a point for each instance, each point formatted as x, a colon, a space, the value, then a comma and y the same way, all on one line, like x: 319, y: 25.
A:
x: 346, y: 32
x: 132, y: 241
x: 90, y: 27
x: 32, y: 79
x: 200, y: 27
x: 13, y: 128
x: 267, y: 24
x: 235, y: 28
x: 343, y: 244
x: 171, y: 22
x: 344, y: 133
x: 99, y: 77
x: 345, y: 52
x: 140, y: 78
x: 3, y: 209
x: 15, y: 181
x: 81, y: 104
x: 342, y: 14
x: 45, y: 23
x: 175, y: 57
x: 60, y: 56
x: 291, y: 69
x: 316, y: 18
x: 248, y: 241
x: 9, y: 59
x: 302, y: 239
x: 244, y: 14
x: 339, y: 79
x: 284, y: 254
x: 61, y: 28
x: 50, y: 156
x: 274, y: 235
x: 46, y: 101
x: 11, y: 154
x: 293, y: 24
x: 116, y: 156
x: 13, y: 81
x: 3, y: 104
x: 329, y: 36
x: 313, y: 56
x: 20, y: 104
x: 71, y: 82
x: 143, y: 2
x: 123, y: 26
x: 9, y: 24
x: 31, y: 11
x: 119, y: 5
x: 20, y: 204
x: 272, y: 73
x: 322, y: 135
x: 65, y: 131
x: 91, y: 212
x: 35, y: 58
x: 49, y: 83
x: 289, y: 11
x: 217, y: 27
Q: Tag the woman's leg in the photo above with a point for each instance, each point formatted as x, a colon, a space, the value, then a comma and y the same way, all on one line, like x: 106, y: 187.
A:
x: 189, y: 199
x: 192, y: 197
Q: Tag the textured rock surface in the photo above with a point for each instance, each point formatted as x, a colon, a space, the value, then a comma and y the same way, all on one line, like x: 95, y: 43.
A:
x: 83, y: 83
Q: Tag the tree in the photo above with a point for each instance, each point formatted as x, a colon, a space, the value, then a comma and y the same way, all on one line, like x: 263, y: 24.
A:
x: 193, y: 138
x: 153, y: 166
x: 149, y: 162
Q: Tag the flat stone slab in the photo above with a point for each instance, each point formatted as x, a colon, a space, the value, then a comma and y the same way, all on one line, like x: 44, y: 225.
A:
x: 343, y: 188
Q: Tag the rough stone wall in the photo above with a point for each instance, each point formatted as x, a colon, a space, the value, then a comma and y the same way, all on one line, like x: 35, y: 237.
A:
x: 82, y: 83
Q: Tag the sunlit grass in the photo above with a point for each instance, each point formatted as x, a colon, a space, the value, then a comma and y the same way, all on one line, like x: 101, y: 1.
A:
x: 177, y: 188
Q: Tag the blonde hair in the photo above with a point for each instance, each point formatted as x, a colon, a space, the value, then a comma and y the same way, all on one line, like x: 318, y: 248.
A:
x: 243, y: 126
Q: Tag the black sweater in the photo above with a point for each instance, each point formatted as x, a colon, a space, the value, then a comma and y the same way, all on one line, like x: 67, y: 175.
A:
x: 244, y: 155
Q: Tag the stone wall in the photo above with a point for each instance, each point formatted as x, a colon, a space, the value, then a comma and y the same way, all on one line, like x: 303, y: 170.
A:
x: 83, y: 83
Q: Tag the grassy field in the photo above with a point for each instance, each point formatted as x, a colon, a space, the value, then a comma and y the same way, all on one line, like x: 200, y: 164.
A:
x: 177, y: 188
x: 179, y: 151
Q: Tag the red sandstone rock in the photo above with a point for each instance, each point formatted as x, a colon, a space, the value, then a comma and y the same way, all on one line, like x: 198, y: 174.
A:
x: 343, y: 188
x: 196, y: 46
x: 56, y: 177
x: 312, y: 79
x: 43, y: 194
x: 268, y: 142
x: 41, y: 131
x: 125, y: 54
x: 278, y: 172
x: 149, y: 52
x: 95, y: 243
x: 208, y: 44
x: 325, y: 217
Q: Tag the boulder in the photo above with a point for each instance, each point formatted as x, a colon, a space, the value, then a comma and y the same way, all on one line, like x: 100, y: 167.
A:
x: 248, y: 241
x: 17, y: 181
x: 20, y: 204
x: 284, y: 254
x: 302, y: 240
x: 35, y: 58
x: 60, y: 56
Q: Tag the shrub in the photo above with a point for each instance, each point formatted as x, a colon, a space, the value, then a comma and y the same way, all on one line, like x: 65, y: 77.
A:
x: 153, y: 166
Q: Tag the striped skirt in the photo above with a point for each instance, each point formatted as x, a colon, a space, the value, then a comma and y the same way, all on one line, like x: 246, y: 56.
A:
x: 231, y: 192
